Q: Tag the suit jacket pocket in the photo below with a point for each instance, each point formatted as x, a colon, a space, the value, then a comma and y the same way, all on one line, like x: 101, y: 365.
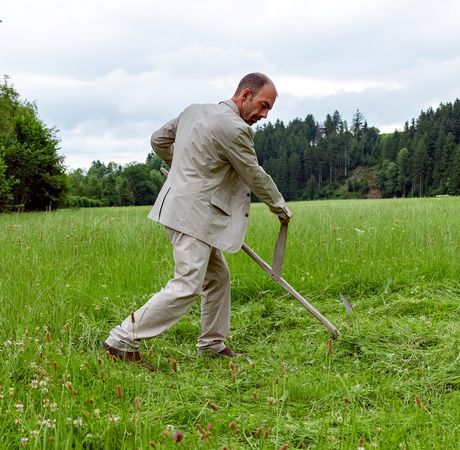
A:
x: 221, y: 199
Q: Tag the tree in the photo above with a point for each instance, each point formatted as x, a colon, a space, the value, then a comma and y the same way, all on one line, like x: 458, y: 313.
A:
x: 403, y: 165
x: 419, y: 161
x: 388, y: 175
x: 454, y: 173
x: 141, y: 183
x: 6, y: 196
x: 29, y: 151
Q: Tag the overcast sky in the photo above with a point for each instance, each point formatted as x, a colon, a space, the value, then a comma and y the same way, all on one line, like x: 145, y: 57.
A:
x: 108, y: 73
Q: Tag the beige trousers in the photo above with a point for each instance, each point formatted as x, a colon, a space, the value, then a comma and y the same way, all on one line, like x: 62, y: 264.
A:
x: 200, y: 270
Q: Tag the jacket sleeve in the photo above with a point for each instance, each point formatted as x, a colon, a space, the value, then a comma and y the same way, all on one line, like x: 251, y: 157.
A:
x: 242, y: 157
x: 162, y: 141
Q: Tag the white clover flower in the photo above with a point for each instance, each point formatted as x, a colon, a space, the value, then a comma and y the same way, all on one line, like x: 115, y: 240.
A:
x: 97, y: 412
x: 34, y: 384
x: 78, y: 423
x: 24, y: 441
x: 35, y: 433
x: 19, y: 407
x: 114, y: 419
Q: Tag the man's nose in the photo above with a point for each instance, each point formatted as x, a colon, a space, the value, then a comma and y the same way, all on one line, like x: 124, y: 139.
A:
x: 264, y: 113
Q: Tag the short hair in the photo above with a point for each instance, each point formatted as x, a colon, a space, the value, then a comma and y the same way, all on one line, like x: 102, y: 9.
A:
x: 254, y: 81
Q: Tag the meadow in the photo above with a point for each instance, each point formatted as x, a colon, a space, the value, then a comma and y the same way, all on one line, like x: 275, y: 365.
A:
x: 390, y: 381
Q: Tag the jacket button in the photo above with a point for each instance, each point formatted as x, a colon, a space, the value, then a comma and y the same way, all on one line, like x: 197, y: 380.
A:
x: 246, y: 215
x: 248, y: 194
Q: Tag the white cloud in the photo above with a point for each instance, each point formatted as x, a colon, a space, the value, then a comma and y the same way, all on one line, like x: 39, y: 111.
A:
x: 107, y: 73
x: 314, y: 87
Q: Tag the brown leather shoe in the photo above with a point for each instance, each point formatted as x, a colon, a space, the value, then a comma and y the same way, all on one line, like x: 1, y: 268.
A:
x: 134, y: 357
x: 227, y: 352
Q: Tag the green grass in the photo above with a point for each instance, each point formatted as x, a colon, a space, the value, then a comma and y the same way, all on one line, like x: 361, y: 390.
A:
x: 391, y: 380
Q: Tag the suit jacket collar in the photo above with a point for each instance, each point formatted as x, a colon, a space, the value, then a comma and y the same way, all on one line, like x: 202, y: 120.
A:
x: 231, y: 104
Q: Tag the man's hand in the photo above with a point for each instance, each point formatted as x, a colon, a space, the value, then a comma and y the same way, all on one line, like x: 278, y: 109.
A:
x: 284, y: 221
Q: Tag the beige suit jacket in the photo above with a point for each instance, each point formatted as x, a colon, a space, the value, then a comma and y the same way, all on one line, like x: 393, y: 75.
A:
x: 214, y: 168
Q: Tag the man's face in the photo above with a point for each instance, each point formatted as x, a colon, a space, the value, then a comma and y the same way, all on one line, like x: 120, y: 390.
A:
x: 256, y: 107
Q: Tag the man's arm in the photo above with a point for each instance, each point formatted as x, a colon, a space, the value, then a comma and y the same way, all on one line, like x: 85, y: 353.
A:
x: 242, y: 157
x: 162, y: 141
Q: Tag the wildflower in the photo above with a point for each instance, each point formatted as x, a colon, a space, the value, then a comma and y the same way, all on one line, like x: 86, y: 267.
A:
x: 48, y: 423
x: 204, y: 435
x: 283, y: 368
x: 19, y: 407
x: 173, y: 364
x: 359, y: 231
x: 97, y: 412
x: 233, y: 426
x: 24, y: 441
x: 233, y: 369
x: 137, y: 403
x: 177, y: 436
x: 78, y: 423
x: 114, y: 419
x: 35, y: 433
x: 213, y: 406
x: 118, y: 391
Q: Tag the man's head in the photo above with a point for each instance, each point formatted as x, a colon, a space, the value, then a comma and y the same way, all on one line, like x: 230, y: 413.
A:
x: 254, y: 97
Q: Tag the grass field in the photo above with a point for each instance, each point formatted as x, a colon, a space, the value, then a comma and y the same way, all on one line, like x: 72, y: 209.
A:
x: 390, y: 381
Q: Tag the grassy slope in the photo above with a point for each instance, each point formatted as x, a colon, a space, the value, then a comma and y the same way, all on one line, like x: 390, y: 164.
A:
x: 391, y: 380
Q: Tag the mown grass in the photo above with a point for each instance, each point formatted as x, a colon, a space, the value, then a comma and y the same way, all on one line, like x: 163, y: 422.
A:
x: 391, y: 380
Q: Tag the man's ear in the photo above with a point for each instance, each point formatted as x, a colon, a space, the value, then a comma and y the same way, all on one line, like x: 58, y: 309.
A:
x: 246, y: 93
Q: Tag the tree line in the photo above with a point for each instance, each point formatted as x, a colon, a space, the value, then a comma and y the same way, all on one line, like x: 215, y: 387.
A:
x: 307, y: 159
x: 311, y: 160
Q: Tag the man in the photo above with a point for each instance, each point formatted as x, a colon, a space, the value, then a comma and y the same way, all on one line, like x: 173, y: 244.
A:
x: 204, y: 205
